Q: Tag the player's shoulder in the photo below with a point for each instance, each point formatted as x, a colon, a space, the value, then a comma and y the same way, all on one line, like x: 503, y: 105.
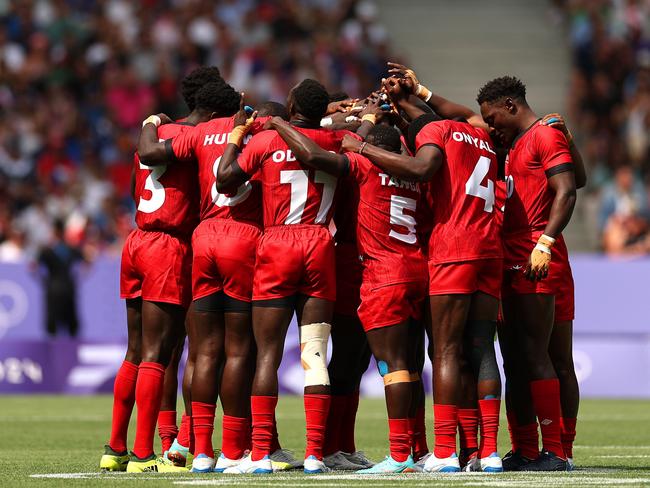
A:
x: 172, y: 129
x: 341, y: 133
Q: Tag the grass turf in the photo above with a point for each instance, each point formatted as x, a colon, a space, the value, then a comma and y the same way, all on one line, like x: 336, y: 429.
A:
x: 45, y: 438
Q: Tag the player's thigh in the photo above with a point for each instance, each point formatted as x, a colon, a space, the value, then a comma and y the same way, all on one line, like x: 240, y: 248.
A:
x: 314, y: 310
x: 239, y: 331
x: 484, y: 307
x: 159, y: 322
x: 391, y: 345
x: 532, y: 315
x: 134, y: 329
x: 449, y: 314
x: 561, y: 345
x: 270, y: 325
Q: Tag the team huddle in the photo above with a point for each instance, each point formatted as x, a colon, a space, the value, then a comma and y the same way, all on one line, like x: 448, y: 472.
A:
x: 376, y: 221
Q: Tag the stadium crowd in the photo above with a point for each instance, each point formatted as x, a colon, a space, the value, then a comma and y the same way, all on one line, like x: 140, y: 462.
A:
x: 94, y: 70
x: 609, y: 105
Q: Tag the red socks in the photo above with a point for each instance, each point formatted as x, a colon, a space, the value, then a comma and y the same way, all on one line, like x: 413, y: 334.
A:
x: 167, y: 430
x: 316, y: 409
x: 512, y: 429
x: 234, y: 438
x: 334, y: 422
x: 275, y: 442
x: 568, y: 435
x: 445, y: 419
x: 203, y: 423
x: 546, y: 400
x: 346, y: 434
x: 148, y: 393
x: 123, y: 401
x: 185, y: 431
x: 468, y: 428
x: 420, y: 446
x: 528, y: 440
x: 489, y: 425
x: 399, y: 439
x: 263, y: 412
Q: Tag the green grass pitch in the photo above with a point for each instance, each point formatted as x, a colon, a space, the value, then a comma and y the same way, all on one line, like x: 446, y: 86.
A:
x: 57, y: 441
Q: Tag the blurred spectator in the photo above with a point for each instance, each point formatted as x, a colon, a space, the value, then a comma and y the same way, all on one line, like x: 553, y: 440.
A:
x: 77, y: 77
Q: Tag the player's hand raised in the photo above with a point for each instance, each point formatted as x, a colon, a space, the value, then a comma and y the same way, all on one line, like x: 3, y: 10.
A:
x: 246, y: 115
x: 341, y: 106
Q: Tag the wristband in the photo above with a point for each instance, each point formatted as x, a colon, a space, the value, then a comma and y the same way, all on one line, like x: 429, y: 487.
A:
x: 351, y: 118
x: 372, y: 118
x: 543, y: 248
x: 236, y: 136
x: 152, y: 119
x: 326, y: 121
x: 362, y: 147
x: 423, y: 93
x: 546, y: 240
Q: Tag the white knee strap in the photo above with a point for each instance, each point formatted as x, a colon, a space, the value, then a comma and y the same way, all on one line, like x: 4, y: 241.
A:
x: 313, y: 353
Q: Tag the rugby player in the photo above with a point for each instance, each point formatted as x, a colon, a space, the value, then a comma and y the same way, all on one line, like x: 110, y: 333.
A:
x: 294, y: 269
x: 159, y: 248
x: 394, y: 270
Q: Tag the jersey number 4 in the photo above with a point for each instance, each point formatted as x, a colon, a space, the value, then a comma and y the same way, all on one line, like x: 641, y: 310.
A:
x: 299, y: 181
x: 153, y: 184
x: 474, y: 188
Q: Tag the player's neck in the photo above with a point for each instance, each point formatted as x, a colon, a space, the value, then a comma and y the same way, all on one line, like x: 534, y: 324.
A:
x: 528, y: 118
x: 196, y: 117
x: 301, y: 121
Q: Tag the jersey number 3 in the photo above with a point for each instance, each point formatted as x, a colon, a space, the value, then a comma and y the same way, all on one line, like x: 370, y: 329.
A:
x: 153, y: 184
x: 474, y: 188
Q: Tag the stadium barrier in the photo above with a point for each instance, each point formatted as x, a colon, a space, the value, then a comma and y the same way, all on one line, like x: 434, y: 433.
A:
x: 611, y: 345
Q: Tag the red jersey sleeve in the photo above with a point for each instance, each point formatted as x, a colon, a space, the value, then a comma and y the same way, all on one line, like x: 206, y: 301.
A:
x: 358, y: 166
x: 251, y: 158
x: 433, y: 133
x: 184, y: 143
x: 552, y: 148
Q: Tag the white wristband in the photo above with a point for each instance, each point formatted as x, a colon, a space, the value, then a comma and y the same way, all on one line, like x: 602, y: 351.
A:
x: 326, y: 121
x: 351, y: 118
x: 550, y: 239
x: 543, y: 248
x: 152, y: 119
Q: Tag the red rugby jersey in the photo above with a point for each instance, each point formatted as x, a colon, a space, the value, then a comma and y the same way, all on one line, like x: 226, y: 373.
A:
x: 166, y: 195
x: 387, y: 231
x: 462, y: 193
x: 206, y: 144
x: 534, y: 152
x: 345, y: 214
x: 292, y: 193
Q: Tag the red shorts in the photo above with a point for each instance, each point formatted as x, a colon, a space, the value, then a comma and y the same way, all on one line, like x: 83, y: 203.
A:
x: 391, y: 304
x: 294, y: 259
x: 348, y: 279
x: 465, y: 278
x: 224, y: 258
x: 559, y: 281
x: 156, y: 266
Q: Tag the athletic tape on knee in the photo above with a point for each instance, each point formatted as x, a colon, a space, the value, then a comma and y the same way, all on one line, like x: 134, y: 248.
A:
x: 480, y: 338
x: 401, y: 376
x: 313, y: 353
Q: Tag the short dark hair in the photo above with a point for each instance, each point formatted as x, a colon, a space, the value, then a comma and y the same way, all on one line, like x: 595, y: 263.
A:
x: 498, y: 88
x: 193, y: 82
x: 218, y: 97
x: 272, y: 109
x: 416, y: 126
x: 311, y: 99
x: 339, y: 96
x: 387, y: 136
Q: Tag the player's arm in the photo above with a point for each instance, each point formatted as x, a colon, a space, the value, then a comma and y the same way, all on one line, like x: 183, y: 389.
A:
x: 557, y: 122
x: 420, y: 167
x: 150, y: 150
x: 443, y: 107
x: 307, y: 151
x: 229, y: 174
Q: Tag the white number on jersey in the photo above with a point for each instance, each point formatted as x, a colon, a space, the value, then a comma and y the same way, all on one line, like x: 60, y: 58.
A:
x: 397, y: 217
x: 474, y: 188
x: 299, y: 181
x: 155, y: 187
x: 221, y: 200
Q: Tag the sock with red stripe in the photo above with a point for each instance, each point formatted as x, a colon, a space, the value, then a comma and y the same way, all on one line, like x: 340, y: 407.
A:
x: 184, y: 430
x: 263, y: 413
x: 346, y: 435
x: 546, y: 401
x: 123, y: 401
x: 420, y: 446
x: 445, y: 420
x: 568, y: 435
x: 234, y: 438
x: 167, y: 429
x: 203, y: 423
x: 512, y: 429
x: 148, y: 393
x: 489, y: 414
x: 334, y: 424
x: 399, y: 439
x: 468, y: 419
x: 316, y: 409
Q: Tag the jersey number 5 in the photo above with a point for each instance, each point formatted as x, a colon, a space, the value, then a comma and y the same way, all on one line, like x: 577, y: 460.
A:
x: 153, y: 184
x: 474, y: 188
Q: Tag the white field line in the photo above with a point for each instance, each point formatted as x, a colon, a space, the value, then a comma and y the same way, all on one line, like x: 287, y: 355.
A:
x: 577, y: 446
x: 623, y: 456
